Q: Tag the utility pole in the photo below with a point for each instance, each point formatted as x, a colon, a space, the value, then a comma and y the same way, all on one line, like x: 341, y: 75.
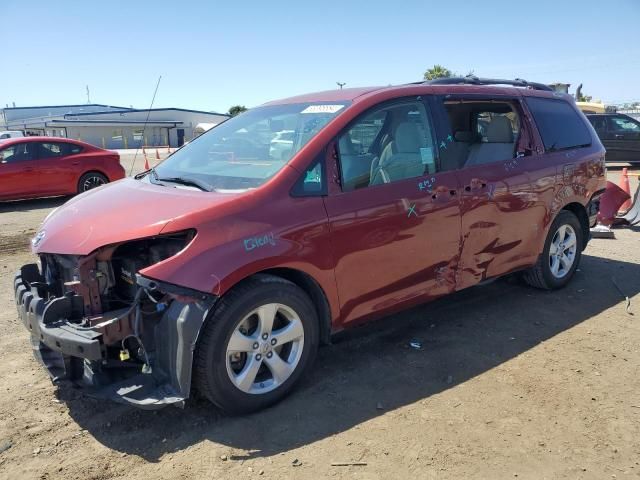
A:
x: 341, y: 84
x: 88, y: 97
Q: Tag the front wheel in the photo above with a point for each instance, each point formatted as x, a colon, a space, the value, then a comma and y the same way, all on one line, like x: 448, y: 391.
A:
x: 262, y: 337
x: 560, y: 256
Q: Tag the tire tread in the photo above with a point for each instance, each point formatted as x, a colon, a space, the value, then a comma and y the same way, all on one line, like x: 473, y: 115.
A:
x: 208, y: 336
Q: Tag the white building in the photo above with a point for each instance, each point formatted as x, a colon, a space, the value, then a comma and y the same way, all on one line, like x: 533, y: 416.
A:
x: 109, y: 126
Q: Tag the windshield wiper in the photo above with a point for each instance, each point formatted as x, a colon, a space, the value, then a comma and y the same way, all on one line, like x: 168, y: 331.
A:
x: 192, y: 182
x: 151, y: 171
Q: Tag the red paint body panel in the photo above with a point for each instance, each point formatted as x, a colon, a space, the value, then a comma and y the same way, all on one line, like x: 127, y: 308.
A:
x: 43, y: 177
x: 388, y: 247
x: 372, y: 251
x: 610, y: 203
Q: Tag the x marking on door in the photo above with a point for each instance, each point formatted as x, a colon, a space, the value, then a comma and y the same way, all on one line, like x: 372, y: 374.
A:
x: 412, y: 209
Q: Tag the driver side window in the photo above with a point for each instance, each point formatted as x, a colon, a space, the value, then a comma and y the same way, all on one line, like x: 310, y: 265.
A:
x: 387, y: 144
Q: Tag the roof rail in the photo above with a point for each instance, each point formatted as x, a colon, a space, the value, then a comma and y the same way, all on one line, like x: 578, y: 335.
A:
x: 473, y: 80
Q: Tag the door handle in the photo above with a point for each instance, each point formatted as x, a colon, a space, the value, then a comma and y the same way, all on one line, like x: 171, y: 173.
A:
x: 28, y: 169
x: 475, y: 184
x: 441, y: 191
x: 618, y: 137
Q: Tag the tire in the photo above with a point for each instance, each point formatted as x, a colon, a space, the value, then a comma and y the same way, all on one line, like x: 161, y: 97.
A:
x: 549, y: 273
x: 91, y: 180
x: 224, y: 375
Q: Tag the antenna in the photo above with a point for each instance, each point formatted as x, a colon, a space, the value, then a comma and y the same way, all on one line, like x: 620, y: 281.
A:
x: 88, y: 97
x: 341, y: 84
x: 144, y: 126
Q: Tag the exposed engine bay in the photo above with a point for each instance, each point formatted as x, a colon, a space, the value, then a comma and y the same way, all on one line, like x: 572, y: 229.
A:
x: 110, y: 324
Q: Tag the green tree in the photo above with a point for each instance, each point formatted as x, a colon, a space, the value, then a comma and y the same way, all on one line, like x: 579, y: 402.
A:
x: 583, y: 98
x: 437, y: 71
x: 236, y: 109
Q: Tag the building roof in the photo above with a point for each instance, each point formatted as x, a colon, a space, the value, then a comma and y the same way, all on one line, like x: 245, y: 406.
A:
x: 112, y: 122
x: 137, y: 110
x: 66, y: 106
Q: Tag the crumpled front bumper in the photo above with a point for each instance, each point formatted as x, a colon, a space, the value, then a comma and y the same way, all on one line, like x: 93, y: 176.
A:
x: 75, y: 353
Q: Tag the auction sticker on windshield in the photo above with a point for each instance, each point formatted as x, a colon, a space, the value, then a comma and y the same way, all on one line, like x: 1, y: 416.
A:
x: 322, y: 109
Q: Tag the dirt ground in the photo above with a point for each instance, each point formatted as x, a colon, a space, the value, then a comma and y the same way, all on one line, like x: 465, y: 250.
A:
x: 510, y: 382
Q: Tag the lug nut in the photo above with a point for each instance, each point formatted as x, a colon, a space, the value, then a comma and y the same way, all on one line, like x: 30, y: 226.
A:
x: 270, y: 354
x: 258, y: 357
x: 265, y: 336
x: 273, y: 341
x: 255, y: 346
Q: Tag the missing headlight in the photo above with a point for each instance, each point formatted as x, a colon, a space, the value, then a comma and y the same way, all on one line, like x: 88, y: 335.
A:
x: 131, y: 257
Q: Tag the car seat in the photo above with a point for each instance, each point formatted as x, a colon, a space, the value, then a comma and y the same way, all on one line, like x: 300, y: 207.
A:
x: 405, y: 162
x: 499, y: 144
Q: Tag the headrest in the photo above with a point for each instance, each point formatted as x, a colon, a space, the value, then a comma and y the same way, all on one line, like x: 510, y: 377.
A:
x: 407, y: 139
x: 499, y: 130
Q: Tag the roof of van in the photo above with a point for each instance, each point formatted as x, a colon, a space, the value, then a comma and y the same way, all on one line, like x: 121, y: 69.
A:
x: 352, y: 94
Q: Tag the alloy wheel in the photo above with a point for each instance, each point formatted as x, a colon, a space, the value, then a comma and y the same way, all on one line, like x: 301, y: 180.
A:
x: 92, y: 181
x: 265, y: 348
x: 562, y: 251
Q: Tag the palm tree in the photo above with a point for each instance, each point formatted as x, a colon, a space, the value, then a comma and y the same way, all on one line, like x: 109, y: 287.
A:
x: 236, y: 109
x: 437, y: 71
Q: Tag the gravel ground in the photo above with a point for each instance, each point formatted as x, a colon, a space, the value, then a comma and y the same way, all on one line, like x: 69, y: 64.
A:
x: 511, y: 382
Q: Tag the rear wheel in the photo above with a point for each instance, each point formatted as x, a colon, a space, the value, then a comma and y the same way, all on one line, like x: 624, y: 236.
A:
x: 262, y: 337
x: 561, y: 255
x: 91, y: 180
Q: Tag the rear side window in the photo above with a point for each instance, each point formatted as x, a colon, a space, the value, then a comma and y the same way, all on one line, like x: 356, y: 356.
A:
x: 623, y: 125
x: 559, y: 124
x: 48, y: 150
x: 71, y: 148
x: 51, y: 150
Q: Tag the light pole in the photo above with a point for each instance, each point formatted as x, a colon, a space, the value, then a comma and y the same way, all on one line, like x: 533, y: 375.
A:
x: 341, y: 84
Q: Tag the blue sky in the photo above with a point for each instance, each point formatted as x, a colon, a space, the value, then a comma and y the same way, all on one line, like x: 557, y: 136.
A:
x: 214, y: 54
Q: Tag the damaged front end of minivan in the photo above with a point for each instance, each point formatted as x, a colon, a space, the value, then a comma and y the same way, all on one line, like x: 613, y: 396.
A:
x: 95, y: 321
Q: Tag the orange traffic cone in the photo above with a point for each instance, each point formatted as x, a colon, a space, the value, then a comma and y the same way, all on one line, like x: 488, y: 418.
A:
x: 157, y: 155
x: 624, y: 185
x: 146, y: 160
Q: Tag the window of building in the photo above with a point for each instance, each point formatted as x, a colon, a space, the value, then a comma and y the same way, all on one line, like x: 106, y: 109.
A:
x: 138, y: 134
x: 559, y: 124
x: 117, y: 135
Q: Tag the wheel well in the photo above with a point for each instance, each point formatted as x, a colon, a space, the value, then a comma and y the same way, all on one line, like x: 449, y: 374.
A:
x: 315, y: 292
x: 579, y: 211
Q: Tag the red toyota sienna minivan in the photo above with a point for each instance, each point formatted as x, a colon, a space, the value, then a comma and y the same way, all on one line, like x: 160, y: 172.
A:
x: 229, y: 263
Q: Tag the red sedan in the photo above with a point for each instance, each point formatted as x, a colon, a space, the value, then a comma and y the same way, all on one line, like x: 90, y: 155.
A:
x: 32, y: 167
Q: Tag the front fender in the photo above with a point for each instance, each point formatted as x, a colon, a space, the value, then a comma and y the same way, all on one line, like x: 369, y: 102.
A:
x: 292, y: 233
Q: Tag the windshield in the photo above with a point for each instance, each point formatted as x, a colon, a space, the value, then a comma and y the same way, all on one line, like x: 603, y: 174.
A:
x: 245, y: 151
